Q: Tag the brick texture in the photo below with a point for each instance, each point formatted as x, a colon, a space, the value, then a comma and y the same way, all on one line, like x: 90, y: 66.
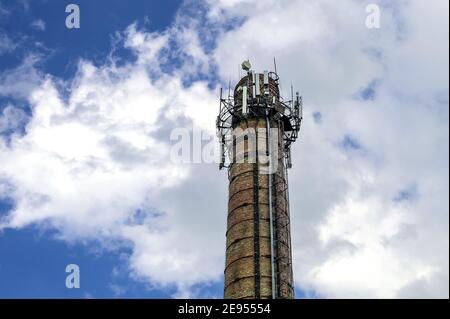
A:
x: 248, y: 250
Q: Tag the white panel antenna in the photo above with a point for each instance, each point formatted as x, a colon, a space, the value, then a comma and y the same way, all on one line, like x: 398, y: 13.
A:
x: 266, y: 83
x: 258, y: 89
x: 244, y: 100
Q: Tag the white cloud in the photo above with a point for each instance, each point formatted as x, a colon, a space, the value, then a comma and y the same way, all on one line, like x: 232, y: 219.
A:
x: 3, y: 11
x: 347, y: 199
x: 20, y: 81
x: 38, y: 25
x: 6, y: 44
x: 11, y: 119
x: 89, y: 161
x: 370, y: 261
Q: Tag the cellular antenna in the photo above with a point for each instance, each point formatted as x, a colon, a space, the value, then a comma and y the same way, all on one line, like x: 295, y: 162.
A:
x: 246, y: 65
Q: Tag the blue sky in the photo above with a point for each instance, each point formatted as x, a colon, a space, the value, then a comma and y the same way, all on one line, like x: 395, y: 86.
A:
x: 86, y: 175
x: 33, y: 260
x: 100, y: 19
x: 32, y: 263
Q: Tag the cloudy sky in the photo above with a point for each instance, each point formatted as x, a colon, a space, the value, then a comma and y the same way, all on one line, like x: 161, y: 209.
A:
x: 86, y: 116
